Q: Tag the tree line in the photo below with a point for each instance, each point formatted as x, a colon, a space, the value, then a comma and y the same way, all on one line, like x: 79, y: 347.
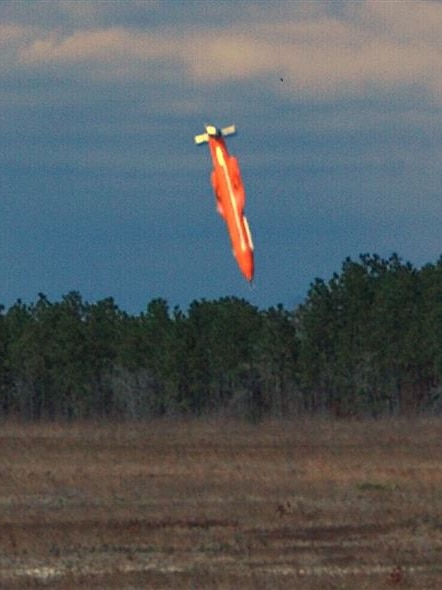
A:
x: 366, y: 342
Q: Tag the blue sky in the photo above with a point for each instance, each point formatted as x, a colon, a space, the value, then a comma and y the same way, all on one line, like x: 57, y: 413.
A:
x: 103, y: 190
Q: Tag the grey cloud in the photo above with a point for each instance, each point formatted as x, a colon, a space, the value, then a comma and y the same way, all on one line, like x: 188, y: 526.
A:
x: 320, y: 55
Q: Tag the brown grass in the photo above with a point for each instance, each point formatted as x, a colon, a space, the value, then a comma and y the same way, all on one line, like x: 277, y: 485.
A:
x: 183, y: 505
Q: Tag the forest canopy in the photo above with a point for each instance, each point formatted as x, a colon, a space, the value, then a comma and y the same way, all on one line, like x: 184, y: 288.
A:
x: 367, y: 342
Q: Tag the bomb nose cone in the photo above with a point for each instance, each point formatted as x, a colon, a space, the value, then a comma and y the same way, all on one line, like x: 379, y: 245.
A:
x: 246, y: 266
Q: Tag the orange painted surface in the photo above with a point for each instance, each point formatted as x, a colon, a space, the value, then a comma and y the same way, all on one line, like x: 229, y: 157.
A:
x: 230, y: 196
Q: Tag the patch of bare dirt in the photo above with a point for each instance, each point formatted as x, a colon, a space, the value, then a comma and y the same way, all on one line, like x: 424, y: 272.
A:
x: 221, y: 505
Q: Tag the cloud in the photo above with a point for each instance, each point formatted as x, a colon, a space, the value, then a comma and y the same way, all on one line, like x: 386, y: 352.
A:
x: 12, y: 38
x: 10, y: 34
x: 227, y: 56
x: 368, y: 46
x: 103, y: 45
x: 328, y: 57
x: 407, y: 23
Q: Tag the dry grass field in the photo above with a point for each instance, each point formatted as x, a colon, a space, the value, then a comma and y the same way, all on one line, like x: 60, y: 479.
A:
x: 226, y: 505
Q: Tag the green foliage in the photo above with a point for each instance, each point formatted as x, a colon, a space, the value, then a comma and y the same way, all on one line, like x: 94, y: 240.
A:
x: 369, y: 338
x: 367, y: 342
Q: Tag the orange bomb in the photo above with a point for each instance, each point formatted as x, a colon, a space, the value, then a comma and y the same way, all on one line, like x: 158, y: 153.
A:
x: 230, y: 195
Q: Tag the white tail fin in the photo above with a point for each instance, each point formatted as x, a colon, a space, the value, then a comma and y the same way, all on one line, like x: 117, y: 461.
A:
x: 230, y: 130
x: 203, y: 138
x: 212, y: 131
